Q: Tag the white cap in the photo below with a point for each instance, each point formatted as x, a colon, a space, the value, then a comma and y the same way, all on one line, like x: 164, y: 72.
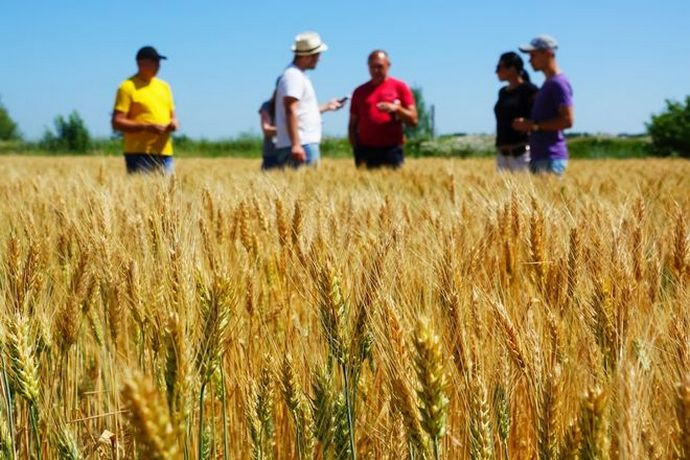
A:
x: 542, y: 42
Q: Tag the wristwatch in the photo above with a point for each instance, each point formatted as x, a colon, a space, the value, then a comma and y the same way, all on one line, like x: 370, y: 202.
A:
x: 535, y: 127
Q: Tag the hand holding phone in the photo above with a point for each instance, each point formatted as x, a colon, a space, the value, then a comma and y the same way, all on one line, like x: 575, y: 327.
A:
x: 336, y: 103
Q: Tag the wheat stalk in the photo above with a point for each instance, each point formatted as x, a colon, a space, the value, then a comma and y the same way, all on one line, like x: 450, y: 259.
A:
x: 683, y: 417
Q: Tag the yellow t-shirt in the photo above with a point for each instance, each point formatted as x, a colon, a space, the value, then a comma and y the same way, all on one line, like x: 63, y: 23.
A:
x: 150, y: 102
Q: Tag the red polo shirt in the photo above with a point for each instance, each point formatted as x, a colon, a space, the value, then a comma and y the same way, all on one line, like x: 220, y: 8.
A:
x: 376, y: 128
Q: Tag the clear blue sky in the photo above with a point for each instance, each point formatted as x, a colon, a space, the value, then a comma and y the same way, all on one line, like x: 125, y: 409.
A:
x: 623, y: 57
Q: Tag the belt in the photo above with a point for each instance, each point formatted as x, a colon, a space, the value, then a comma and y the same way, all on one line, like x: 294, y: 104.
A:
x: 513, y: 151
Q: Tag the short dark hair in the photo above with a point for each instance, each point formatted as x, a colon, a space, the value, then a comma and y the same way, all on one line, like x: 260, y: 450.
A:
x: 376, y: 52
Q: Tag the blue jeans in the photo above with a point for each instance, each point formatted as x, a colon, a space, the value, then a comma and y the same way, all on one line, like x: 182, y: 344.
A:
x: 148, y: 163
x: 282, y: 157
x: 548, y: 165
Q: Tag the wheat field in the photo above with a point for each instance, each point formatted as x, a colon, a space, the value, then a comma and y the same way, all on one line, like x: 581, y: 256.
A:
x: 440, y: 311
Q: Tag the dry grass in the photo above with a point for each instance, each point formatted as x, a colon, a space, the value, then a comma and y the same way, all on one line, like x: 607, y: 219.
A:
x: 439, y: 311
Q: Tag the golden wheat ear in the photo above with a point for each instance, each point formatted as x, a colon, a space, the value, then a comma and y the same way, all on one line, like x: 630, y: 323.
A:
x: 481, y: 437
x: 299, y: 408
x: 433, y: 382
x: 147, y: 415
x: 66, y: 444
x: 323, y: 408
x: 549, y: 415
x: 594, y: 424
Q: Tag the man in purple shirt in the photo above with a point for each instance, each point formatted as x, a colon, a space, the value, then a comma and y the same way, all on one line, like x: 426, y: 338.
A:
x: 552, y: 111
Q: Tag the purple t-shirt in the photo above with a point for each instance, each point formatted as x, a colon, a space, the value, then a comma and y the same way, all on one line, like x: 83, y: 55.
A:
x: 556, y: 92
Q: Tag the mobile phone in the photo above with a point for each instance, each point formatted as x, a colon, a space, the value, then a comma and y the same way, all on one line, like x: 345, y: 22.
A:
x: 343, y: 100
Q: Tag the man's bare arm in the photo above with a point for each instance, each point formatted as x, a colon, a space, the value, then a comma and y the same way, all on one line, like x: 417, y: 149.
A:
x: 331, y: 106
x: 564, y: 120
x: 297, y: 151
x: 120, y: 122
x: 407, y: 115
x: 174, y: 124
x: 352, y: 129
x: 267, y: 127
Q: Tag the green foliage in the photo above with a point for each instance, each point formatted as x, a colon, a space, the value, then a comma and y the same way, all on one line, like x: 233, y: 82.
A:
x: 670, y: 130
x: 71, y: 135
x: 445, y: 146
x: 585, y: 146
x: 8, y: 128
x: 336, y: 147
x: 245, y: 146
x: 242, y: 145
x: 424, y: 128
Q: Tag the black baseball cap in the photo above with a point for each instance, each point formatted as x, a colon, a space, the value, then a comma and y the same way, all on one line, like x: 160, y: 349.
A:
x: 149, y: 52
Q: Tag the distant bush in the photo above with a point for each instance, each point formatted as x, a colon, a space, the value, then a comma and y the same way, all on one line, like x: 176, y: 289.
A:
x: 588, y: 146
x: 451, y: 146
x: 8, y: 128
x: 582, y: 146
x: 670, y: 130
x: 424, y: 128
x: 71, y: 135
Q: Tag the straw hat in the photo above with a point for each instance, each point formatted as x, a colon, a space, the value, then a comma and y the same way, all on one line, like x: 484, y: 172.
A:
x: 308, y: 43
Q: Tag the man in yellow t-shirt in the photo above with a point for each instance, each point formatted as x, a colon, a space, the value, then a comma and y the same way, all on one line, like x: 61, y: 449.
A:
x: 145, y: 113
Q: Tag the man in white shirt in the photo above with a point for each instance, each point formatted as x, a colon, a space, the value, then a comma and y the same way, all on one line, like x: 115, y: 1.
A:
x: 298, y: 114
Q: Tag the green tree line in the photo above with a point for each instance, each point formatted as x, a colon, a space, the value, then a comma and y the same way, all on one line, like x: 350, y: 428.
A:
x: 669, y: 132
x: 8, y: 128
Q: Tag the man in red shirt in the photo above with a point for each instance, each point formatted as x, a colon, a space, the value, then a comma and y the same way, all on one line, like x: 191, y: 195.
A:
x: 377, y: 113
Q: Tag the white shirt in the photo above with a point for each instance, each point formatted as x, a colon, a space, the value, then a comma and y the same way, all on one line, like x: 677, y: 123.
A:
x: 295, y: 83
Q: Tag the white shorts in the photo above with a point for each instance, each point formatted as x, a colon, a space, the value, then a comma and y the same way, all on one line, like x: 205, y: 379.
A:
x: 512, y: 163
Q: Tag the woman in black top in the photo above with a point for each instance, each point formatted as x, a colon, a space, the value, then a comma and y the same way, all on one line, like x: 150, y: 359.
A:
x: 267, y: 115
x: 514, y: 100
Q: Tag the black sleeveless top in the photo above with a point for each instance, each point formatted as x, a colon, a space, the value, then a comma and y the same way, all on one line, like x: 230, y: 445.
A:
x: 513, y: 103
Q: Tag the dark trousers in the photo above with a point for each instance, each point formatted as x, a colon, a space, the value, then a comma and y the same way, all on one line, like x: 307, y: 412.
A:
x: 147, y: 163
x: 378, y: 157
